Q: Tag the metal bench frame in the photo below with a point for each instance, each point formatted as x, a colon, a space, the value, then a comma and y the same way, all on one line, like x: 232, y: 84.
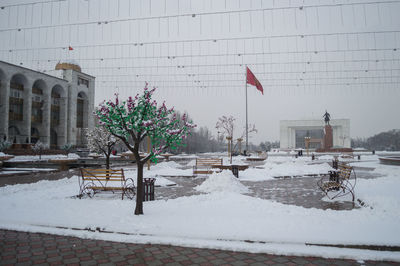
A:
x: 340, y: 183
x: 92, y: 181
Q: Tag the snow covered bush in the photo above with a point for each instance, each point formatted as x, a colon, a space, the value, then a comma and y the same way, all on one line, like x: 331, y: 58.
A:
x: 138, y: 118
x: 39, y: 148
x: 4, y: 145
x: 67, y: 147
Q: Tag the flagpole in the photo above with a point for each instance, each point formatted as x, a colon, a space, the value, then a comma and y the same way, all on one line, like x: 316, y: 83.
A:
x: 247, y: 131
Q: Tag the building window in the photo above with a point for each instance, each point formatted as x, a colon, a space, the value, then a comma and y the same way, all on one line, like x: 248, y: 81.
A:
x: 16, y: 86
x: 16, y: 110
x: 16, y: 94
x: 84, y: 82
x: 55, y: 109
x: 16, y: 107
x: 37, y: 105
x: 314, y: 134
x: 79, y: 113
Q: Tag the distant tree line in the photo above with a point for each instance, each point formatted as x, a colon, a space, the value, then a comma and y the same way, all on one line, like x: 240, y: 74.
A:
x: 389, y: 141
x: 202, y: 140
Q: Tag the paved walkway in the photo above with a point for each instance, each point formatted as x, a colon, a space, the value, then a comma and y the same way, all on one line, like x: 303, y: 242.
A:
x: 20, y: 248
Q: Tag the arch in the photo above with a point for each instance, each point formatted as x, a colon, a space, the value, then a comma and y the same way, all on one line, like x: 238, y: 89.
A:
x: 82, y: 106
x: 57, y: 115
x: 39, y: 88
x: 35, y: 135
x: 81, y: 110
x: 57, y: 93
x: 2, y: 75
x: 3, y: 103
x: 82, y: 95
x: 18, y: 112
x: 19, y: 78
x: 58, y: 89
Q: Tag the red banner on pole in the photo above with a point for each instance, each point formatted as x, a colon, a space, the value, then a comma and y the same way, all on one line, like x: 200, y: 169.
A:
x: 252, y: 80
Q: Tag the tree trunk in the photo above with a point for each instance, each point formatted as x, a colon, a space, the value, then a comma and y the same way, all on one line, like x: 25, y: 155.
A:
x: 108, y: 161
x: 139, y: 189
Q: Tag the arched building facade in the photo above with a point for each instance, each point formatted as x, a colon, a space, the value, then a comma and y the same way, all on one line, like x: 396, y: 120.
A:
x: 36, y: 106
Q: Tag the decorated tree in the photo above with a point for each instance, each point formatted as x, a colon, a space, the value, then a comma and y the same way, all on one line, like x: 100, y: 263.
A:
x: 135, y: 119
x: 226, y: 125
x: 39, y: 148
x: 100, y: 140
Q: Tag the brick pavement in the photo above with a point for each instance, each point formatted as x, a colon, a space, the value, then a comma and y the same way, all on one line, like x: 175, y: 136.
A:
x: 20, y: 248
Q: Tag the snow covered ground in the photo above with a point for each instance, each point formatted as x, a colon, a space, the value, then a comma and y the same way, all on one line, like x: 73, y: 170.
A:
x: 221, y: 217
x: 34, y: 158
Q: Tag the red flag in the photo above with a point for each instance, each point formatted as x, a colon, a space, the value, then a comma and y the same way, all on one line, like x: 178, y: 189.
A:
x: 70, y: 48
x: 252, y: 80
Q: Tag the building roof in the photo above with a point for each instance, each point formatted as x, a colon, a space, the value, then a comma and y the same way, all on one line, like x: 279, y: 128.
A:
x: 31, y: 70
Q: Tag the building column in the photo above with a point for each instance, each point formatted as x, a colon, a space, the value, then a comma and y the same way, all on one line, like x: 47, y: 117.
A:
x: 71, y: 115
x: 47, y: 116
x: 292, y: 138
x: 4, y: 106
x: 62, y: 127
x: 27, y: 113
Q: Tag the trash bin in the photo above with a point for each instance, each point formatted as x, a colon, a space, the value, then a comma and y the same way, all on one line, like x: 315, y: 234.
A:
x: 148, y: 189
x: 335, y: 164
x: 235, y: 170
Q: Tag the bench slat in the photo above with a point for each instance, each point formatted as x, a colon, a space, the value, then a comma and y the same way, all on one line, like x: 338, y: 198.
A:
x: 104, y: 176
x: 102, y: 179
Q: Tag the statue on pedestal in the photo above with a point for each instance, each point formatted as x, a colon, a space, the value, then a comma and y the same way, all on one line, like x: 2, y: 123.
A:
x: 327, y: 117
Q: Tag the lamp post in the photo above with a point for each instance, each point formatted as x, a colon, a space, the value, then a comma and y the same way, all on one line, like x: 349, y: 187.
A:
x: 307, y: 142
x: 229, y: 147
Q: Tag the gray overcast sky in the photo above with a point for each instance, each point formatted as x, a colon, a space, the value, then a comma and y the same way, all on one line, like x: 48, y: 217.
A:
x: 342, y: 56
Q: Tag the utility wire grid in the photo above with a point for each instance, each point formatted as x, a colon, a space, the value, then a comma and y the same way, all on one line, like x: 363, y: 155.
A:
x: 204, y: 45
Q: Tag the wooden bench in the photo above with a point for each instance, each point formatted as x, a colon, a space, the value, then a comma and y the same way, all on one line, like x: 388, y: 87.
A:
x: 113, y: 180
x: 340, y: 181
x: 204, y: 165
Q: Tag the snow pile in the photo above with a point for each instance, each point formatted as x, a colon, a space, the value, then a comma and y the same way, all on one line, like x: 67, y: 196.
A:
x: 292, y: 168
x: 2, y: 154
x: 170, y: 168
x: 222, y: 182
x: 191, y: 163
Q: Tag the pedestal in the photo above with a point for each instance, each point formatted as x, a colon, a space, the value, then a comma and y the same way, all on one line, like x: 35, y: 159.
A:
x: 328, y: 137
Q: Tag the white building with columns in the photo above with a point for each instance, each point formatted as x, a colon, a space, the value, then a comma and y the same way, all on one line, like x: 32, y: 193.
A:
x: 293, y: 132
x: 37, y: 106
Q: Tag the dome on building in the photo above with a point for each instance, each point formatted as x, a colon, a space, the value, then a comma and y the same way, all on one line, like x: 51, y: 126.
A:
x: 68, y: 65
